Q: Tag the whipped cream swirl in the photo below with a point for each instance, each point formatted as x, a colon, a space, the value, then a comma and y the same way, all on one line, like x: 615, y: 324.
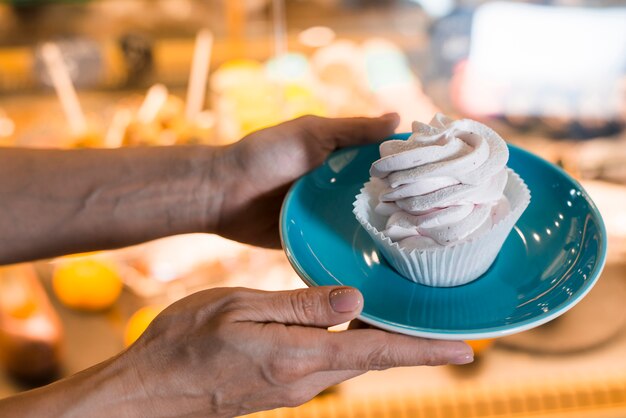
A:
x: 444, y: 184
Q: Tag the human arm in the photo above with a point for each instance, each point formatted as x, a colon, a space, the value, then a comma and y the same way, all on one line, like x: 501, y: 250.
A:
x: 227, y: 352
x: 55, y: 202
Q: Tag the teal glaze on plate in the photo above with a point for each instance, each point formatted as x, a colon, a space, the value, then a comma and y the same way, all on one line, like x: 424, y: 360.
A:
x: 549, y: 262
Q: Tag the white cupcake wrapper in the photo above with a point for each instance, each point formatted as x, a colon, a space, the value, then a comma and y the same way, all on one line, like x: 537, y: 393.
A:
x: 448, y: 266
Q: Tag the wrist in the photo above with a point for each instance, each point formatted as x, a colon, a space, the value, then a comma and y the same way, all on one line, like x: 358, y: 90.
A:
x: 211, y: 192
x: 107, y: 389
x: 117, y: 384
x: 195, y: 188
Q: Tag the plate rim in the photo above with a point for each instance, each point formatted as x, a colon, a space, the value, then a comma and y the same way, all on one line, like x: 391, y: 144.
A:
x: 480, y: 333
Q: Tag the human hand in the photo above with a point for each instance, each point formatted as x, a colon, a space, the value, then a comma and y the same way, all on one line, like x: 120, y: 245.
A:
x: 257, y: 171
x: 226, y: 352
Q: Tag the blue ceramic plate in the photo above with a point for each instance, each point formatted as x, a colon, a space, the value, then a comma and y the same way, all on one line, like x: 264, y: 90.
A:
x: 549, y: 262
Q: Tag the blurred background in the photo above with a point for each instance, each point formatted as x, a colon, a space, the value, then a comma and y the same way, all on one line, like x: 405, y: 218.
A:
x: 550, y: 76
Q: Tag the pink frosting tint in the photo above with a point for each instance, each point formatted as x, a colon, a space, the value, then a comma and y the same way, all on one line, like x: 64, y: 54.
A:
x: 444, y: 184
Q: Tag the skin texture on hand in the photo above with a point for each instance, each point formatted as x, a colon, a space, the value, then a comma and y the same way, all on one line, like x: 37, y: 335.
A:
x: 227, y: 352
x: 263, y: 165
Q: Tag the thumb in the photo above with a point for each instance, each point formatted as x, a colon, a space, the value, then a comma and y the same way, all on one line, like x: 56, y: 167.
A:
x: 318, y: 306
x: 344, y: 132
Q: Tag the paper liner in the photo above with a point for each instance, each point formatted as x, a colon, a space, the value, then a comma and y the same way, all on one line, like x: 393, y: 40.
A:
x: 447, y: 266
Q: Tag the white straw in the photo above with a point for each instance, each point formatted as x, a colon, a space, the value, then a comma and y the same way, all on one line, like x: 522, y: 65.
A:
x: 64, y: 88
x: 115, y: 135
x: 280, y: 23
x: 196, y: 90
x: 152, y: 103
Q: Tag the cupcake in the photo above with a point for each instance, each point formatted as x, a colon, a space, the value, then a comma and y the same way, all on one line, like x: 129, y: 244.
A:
x: 440, y: 205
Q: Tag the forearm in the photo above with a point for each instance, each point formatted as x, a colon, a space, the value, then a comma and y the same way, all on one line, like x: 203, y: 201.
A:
x: 55, y: 202
x: 105, y: 390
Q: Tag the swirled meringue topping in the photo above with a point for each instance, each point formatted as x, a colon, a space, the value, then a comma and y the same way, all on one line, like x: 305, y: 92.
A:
x: 444, y: 184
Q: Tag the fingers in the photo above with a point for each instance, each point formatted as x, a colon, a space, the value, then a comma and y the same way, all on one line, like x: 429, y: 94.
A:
x: 315, y: 352
x: 316, y: 307
x: 344, y: 132
x: 355, y: 349
x: 370, y: 349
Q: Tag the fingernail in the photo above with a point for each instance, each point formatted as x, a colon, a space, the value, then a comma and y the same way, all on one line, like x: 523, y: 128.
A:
x: 463, y: 358
x: 345, y: 300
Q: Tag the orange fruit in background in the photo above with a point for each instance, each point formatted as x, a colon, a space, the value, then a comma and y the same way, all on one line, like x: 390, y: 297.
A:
x: 480, y: 346
x: 138, y: 323
x: 87, y: 284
